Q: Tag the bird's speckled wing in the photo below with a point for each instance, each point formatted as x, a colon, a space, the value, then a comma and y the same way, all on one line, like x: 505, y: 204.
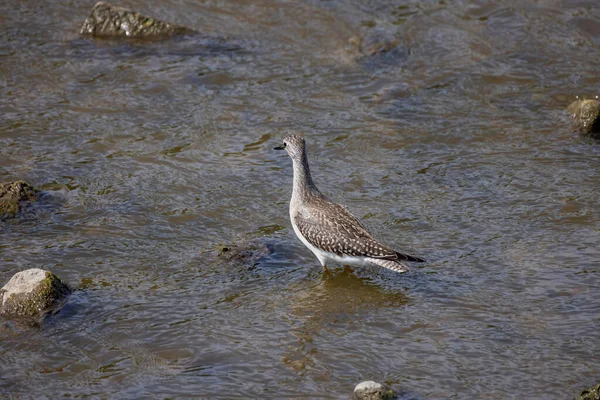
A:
x: 333, y: 228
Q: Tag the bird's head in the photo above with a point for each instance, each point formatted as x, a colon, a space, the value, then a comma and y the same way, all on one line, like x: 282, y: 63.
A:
x: 294, y: 145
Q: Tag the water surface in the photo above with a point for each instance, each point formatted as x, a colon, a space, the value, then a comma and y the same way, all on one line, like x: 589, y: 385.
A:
x: 455, y: 146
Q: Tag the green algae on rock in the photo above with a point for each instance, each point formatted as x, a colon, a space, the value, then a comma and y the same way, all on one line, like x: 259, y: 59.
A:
x: 110, y: 21
x: 13, y: 195
x: 32, y: 293
x: 592, y: 393
x: 586, y: 116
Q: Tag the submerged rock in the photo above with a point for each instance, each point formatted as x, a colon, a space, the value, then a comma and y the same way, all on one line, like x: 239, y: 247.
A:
x: 370, y: 390
x: 586, y: 116
x: 375, y: 41
x: 592, y: 393
x: 110, y: 21
x: 32, y: 293
x: 247, y: 253
x: 378, y: 41
x: 13, y: 195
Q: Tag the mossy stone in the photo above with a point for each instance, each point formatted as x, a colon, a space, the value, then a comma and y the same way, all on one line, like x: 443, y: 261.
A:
x: 370, y: 390
x: 32, y: 293
x: 13, y: 195
x: 586, y: 116
x: 106, y: 20
x: 592, y: 393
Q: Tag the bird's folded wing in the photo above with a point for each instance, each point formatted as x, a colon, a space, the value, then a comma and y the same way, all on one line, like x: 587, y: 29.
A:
x: 337, y: 231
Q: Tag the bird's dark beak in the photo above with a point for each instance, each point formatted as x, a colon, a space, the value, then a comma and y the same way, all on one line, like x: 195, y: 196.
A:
x: 279, y: 147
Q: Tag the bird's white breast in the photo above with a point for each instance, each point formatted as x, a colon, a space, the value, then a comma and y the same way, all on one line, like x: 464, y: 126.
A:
x: 325, y: 256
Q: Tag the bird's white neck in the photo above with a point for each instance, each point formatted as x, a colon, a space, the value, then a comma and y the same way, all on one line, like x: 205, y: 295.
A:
x: 303, y: 184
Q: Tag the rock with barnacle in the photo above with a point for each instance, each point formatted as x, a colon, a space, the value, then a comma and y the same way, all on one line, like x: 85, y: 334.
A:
x: 111, y: 21
x: 586, y: 116
x: 14, y: 196
x: 32, y: 293
x: 370, y: 390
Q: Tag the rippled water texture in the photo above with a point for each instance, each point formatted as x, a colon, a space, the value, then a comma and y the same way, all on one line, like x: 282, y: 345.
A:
x: 454, y: 146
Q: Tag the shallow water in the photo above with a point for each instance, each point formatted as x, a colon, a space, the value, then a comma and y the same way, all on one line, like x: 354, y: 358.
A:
x: 455, y: 146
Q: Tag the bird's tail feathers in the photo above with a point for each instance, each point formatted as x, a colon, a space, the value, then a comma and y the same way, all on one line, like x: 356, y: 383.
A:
x: 389, y: 264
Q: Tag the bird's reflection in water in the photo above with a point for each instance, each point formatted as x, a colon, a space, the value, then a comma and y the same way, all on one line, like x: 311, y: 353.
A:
x: 338, y: 303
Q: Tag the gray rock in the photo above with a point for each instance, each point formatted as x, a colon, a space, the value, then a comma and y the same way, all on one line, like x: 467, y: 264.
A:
x: 32, y: 293
x: 592, y: 393
x: 13, y: 195
x: 586, y: 116
x: 370, y: 390
x: 110, y: 21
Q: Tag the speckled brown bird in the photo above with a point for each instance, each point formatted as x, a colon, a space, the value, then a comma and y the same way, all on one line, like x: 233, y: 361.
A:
x: 328, y: 229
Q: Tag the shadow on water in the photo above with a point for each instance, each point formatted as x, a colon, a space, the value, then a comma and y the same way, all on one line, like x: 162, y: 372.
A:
x: 336, y: 303
x: 186, y: 46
